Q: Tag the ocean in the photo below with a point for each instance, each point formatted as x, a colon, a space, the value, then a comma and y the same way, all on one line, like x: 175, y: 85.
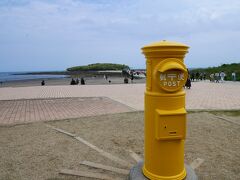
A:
x: 13, y: 76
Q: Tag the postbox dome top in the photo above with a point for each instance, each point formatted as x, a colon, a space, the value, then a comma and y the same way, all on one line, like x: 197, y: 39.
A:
x: 165, y: 49
x: 165, y: 43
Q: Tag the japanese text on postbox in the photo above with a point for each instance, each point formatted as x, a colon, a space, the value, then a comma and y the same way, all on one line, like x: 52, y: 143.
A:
x: 172, y: 79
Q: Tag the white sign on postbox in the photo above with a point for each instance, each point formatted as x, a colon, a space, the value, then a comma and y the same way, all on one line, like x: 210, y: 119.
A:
x: 172, y: 80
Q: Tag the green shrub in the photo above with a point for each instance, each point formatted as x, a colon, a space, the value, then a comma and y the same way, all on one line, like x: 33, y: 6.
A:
x: 98, y: 67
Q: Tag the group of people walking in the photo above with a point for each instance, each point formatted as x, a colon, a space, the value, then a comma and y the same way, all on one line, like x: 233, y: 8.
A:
x: 76, y: 82
x: 217, y: 77
x: 214, y: 77
x: 198, y: 76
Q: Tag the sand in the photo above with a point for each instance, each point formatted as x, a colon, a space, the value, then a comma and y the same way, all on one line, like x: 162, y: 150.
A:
x: 34, y: 151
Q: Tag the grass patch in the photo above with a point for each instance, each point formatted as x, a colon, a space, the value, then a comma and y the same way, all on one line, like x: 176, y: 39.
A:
x: 227, y: 113
x: 234, y: 113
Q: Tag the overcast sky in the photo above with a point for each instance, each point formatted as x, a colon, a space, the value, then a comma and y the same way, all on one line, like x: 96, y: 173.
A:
x: 46, y: 35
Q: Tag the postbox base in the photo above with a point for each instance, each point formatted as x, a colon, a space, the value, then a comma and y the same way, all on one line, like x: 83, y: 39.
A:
x: 136, y: 173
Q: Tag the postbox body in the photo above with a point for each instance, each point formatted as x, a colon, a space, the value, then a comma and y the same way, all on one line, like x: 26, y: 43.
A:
x: 165, y: 114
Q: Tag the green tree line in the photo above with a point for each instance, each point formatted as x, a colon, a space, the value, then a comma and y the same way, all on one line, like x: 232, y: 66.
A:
x: 98, y: 67
x: 228, y: 69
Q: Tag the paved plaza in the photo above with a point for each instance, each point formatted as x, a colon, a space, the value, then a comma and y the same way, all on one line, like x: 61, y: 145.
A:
x: 33, y: 110
x: 27, y: 104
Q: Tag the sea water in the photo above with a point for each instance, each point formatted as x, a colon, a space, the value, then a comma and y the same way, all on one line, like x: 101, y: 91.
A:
x: 16, y: 76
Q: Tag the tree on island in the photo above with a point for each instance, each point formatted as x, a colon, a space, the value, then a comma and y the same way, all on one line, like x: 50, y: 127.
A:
x: 99, y: 67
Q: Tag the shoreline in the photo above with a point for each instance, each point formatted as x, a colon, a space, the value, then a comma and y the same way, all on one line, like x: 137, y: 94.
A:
x: 75, y: 73
x: 93, y: 80
x: 90, y: 77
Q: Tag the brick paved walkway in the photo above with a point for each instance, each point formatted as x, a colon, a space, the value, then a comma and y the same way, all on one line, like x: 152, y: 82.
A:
x: 22, y: 111
x: 210, y: 96
x: 202, y: 95
x: 129, y: 94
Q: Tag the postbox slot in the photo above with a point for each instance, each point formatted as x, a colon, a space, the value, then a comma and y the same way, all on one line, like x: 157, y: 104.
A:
x: 172, y: 132
x: 170, y: 124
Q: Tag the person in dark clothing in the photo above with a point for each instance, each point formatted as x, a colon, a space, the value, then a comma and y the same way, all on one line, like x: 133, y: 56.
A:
x: 43, y: 83
x: 82, y: 81
x: 73, y: 82
x: 204, y: 76
x: 197, y: 76
x: 126, y: 80
x: 188, y: 83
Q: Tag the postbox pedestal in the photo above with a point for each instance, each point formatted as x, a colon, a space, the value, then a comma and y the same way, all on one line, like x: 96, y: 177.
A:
x: 136, y: 173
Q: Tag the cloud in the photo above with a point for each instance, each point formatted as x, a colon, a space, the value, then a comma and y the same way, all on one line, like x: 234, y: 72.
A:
x: 72, y: 32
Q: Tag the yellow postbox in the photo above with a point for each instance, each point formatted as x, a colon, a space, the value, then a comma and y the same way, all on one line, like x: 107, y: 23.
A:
x: 165, y: 114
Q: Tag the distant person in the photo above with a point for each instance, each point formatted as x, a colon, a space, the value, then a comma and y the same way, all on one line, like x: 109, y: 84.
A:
x: 73, y: 82
x: 201, y: 76
x: 204, y: 76
x: 109, y: 81
x: 211, y: 77
x: 197, y: 76
x: 43, y: 83
x: 132, y: 77
x: 216, y: 77
x: 188, y: 83
x: 125, y: 80
x: 233, y: 76
x: 222, y: 76
x: 77, y: 81
x: 1, y: 83
x: 192, y: 76
x: 82, y: 81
